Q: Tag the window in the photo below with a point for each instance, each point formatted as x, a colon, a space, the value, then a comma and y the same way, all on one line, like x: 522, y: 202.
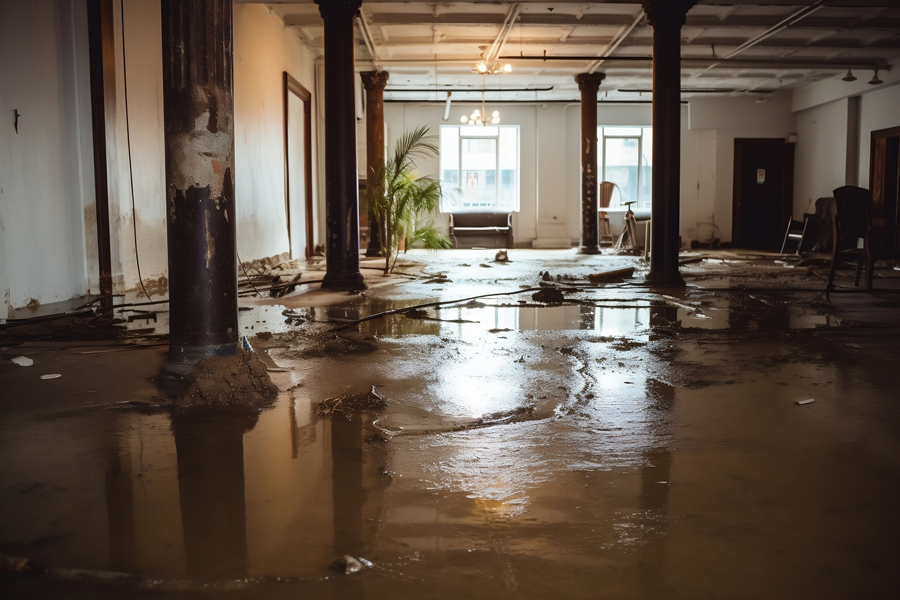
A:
x: 625, y: 158
x: 480, y: 168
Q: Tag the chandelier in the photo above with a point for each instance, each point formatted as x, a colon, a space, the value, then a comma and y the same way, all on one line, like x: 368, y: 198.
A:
x: 479, y: 115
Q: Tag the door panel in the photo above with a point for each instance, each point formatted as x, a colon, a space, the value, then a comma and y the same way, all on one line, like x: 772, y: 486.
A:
x: 762, y: 186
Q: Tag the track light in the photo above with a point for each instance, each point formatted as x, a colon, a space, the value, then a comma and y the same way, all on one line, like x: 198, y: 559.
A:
x: 875, y: 80
x: 849, y: 76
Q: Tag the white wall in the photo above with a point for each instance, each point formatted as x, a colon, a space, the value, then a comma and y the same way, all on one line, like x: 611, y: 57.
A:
x: 264, y: 50
x: 48, y: 248
x: 717, y: 122
x: 46, y: 177
x: 820, y: 162
x: 549, y: 162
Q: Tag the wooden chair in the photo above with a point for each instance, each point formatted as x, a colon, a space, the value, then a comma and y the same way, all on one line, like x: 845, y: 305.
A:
x: 854, y: 220
x: 604, y: 195
x: 848, y: 227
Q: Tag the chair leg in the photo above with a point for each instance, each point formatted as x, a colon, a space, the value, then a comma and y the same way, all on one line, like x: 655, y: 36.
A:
x: 831, y: 271
x: 870, y: 272
x: 787, y: 234
x: 859, y: 266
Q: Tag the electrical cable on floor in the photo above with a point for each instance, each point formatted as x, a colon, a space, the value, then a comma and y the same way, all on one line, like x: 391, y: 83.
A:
x: 137, y: 258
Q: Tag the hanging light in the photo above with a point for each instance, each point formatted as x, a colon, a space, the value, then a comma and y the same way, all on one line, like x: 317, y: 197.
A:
x: 875, y: 80
x: 849, y: 76
x: 761, y: 99
x: 507, y: 68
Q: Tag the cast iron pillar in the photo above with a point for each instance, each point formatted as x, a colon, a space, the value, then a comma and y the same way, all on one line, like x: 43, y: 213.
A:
x: 374, y: 81
x: 341, y: 184
x: 666, y: 18
x: 198, y: 106
x: 589, y: 83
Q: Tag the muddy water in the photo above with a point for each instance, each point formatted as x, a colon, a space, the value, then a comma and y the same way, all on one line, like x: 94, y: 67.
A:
x: 650, y: 464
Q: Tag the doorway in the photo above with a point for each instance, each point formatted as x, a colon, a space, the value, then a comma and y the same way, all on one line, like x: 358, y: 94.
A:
x: 763, y: 192
x: 298, y: 167
x: 884, y: 177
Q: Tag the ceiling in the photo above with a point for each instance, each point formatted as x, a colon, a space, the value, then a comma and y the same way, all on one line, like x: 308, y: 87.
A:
x: 728, y: 46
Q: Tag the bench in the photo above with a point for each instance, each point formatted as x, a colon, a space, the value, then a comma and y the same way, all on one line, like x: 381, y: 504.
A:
x: 485, y: 228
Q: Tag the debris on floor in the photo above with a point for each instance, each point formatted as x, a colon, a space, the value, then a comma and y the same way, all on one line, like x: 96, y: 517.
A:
x: 348, y: 565
x: 22, y: 361
x: 807, y: 401
x: 238, y: 382
x: 348, y: 403
x: 610, y: 276
x: 502, y: 256
x: 550, y: 295
x: 15, y: 564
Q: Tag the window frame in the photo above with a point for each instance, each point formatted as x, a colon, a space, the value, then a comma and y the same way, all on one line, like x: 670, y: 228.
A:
x: 498, y: 172
x: 602, y: 136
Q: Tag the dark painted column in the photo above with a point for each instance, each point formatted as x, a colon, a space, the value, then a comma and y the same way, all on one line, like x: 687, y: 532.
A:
x: 589, y: 83
x: 666, y: 17
x: 374, y: 81
x: 341, y: 184
x: 198, y: 104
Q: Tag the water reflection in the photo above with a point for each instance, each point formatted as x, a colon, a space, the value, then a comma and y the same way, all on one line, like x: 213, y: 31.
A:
x: 210, y: 450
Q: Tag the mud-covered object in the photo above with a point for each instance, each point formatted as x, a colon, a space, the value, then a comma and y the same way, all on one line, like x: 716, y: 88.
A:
x: 349, y: 403
x: 548, y: 296
x: 239, y: 382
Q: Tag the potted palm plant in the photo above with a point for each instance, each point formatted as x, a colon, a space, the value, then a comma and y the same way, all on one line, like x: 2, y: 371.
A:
x: 404, y: 201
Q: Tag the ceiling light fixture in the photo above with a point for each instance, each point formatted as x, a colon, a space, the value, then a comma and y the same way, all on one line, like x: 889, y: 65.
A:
x: 761, y: 99
x: 875, y: 80
x: 849, y: 76
x: 447, y: 107
x: 479, y: 116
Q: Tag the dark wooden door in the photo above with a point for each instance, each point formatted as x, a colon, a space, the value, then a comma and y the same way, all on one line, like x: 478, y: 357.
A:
x: 763, y: 192
x: 884, y: 176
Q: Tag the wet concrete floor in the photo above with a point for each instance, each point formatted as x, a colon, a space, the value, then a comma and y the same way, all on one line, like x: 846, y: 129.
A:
x: 629, y: 443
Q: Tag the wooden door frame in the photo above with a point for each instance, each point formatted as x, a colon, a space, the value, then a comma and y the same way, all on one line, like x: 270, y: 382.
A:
x: 290, y: 86
x: 890, y: 132
x: 102, y: 61
x: 787, y: 198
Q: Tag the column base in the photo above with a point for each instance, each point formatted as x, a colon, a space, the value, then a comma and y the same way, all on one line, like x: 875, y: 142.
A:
x: 665, y: 279
x: 373, y: 252
x: 349, y: 281
x: 589, y: 250
x: 173, y: 376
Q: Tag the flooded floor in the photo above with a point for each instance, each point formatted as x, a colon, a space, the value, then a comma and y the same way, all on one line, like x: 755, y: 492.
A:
x: 626, y: 443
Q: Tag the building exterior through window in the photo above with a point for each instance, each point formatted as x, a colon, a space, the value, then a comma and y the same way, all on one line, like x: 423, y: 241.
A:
x: 479, y: 168
x: 625, y: 158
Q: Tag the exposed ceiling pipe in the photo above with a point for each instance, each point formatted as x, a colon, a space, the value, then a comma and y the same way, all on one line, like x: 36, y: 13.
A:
x: 368, y: 39
x: 615, y: 43
x: 781, y: 26
x: 505, y: 29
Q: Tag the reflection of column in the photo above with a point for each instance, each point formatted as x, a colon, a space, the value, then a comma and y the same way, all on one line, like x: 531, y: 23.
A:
x: 654, y: 500
x: 120, y: 511
x: 198, y: 102
x: 589, y: 83
x: 666, y: 17
x: 341, y: 183
x: 374, y: 82
x: 349, y: 493
x: 210, y: 450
